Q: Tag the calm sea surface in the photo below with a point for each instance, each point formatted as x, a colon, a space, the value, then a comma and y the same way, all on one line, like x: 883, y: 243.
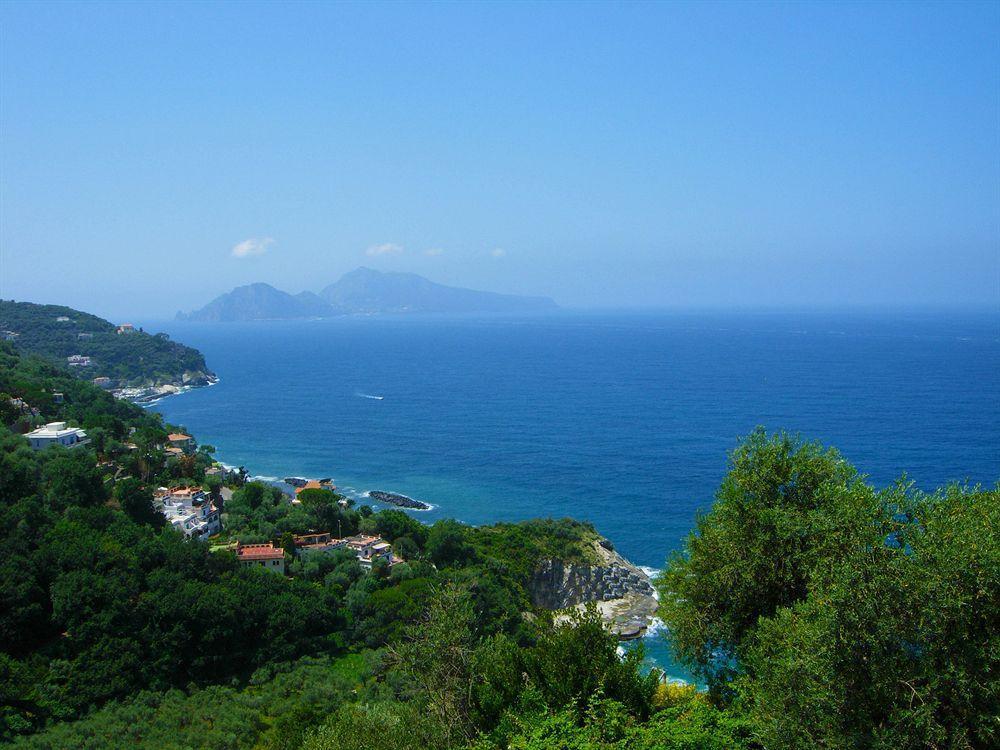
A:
x: 623, y: 420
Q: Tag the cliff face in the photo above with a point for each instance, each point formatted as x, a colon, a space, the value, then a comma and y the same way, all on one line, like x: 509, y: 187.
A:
x: 623, y: 593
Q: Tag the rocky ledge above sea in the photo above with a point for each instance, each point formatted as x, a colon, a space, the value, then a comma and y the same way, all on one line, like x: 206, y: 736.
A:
x: 145, y: 394
x: 622, y: 592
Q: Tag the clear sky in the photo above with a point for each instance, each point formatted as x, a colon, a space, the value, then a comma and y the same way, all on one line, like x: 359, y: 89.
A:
x: 154, y: 156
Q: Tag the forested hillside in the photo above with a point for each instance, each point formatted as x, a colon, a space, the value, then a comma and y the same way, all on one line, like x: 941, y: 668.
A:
x: 820, y: 611
x: 128, y: 358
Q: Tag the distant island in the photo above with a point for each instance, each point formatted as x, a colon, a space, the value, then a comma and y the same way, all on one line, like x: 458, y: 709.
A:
x: 362, y: 291
x: 120, y: 358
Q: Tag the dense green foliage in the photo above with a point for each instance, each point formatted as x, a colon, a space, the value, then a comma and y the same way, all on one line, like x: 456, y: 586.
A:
x: 273, y: 711
x: 129, y: 359
x: 836, y: 615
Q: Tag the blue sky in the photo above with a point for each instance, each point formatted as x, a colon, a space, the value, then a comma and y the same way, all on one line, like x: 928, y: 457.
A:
x: 153, y: 156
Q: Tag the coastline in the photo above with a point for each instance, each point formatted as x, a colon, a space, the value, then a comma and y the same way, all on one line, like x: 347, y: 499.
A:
x: 622, y: 592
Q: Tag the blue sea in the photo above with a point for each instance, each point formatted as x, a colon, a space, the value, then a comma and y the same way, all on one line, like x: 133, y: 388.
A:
x: 621, y: 419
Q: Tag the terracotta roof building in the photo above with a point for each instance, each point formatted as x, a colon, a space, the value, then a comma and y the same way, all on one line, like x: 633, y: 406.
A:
x: 266, y: 556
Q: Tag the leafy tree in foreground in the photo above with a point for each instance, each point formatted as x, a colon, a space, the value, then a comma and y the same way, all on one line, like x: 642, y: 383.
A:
x: 898, y: 646
x: 838, y: 616
x: 783, y: 508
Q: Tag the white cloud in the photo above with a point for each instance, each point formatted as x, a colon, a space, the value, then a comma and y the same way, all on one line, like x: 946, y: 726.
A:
x: 252, y: 246
x: 386, y: 248
x: 498, y: 252
x: 434, y: 251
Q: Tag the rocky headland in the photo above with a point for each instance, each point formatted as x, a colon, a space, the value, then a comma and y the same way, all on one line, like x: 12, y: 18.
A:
x: 622, y: 592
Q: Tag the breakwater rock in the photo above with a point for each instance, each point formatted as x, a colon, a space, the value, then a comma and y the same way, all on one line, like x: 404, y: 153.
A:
x: 623, y: 593
x: 394, y: 498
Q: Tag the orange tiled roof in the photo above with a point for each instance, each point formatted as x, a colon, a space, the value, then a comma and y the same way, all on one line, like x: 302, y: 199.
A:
x: 312, y: 484
x: 259, y: 552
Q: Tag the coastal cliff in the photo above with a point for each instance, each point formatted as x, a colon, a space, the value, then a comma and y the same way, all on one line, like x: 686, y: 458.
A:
x: 623, y: 593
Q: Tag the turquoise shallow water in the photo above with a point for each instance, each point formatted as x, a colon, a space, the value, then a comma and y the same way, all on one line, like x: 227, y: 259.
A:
x: 620, y: 419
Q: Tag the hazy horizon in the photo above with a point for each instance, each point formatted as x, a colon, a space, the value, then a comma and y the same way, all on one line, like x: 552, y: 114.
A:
x: 673, y: 156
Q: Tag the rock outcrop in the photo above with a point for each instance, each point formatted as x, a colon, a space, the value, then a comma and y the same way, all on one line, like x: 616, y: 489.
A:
x: 622, y: 592
x: 394, y: 498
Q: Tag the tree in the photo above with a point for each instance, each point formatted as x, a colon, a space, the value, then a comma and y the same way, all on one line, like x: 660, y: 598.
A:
x: 325, y: 513
x: 137, y: 502
x: 405, y: 548
x: 288, y: 544
x: 71, y: 478
x: 392, y: 524
x: 785, y: 508
x: 9, y: 413
x: 435, y: 658
x: 447, y: 544
x: 896, y: 646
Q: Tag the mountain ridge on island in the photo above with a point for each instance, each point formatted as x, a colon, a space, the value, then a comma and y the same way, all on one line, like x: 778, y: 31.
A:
x: 362, y: 291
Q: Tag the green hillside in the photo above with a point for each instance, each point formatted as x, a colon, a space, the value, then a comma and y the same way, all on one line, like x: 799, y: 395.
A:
x: 129, y: 359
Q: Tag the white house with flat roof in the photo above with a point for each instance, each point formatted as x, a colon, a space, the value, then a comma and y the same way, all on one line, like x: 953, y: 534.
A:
x: 57, y: 433
x: 189, y: 511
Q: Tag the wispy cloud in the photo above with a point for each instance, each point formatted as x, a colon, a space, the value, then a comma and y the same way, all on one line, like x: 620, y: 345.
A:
x: 252, y: 246
x: 498, y: 252
x: 434, y: 251
x: 386, y: 248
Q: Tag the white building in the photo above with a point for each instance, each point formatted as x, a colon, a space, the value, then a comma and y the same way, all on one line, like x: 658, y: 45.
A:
x: 189, y: 511
x: 57, y: 433
x: 78, y: 360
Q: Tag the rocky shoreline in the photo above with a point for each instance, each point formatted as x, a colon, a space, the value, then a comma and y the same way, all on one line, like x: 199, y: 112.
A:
x: 623, y: 593
x: 147, y: 394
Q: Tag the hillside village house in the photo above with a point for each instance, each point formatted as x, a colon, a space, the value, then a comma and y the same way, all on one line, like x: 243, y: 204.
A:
x: 367, y: 549
x: 78, y: 360
x: 313, y: 484
x: 125, y: 328
x: 266, y: 556
x: 102, y: 382
x: 62, y: 319
x: 85, y: 335
x: 182, y: 441
x: 189, y: 511
x: 221, y: 472
x: 57, y: 433
x: 9, y: 335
